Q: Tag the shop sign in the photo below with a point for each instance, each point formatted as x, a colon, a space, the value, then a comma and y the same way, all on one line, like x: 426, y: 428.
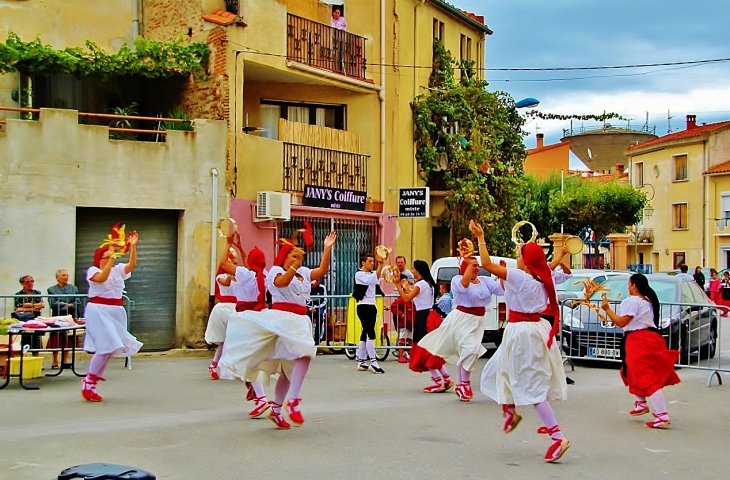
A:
x: 334, y: 198
x: 413, y: 202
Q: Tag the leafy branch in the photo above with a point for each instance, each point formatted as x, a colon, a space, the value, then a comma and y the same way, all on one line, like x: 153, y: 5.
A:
x: 555, y: 116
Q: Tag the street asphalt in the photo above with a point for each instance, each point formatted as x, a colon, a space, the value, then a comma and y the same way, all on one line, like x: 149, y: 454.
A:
x: 168, y: 417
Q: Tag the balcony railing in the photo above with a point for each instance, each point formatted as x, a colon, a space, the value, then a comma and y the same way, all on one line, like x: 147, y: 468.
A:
x: 232, y: 6
x: 569, y: 132
x: 307, y: 165
x: 322, y: 46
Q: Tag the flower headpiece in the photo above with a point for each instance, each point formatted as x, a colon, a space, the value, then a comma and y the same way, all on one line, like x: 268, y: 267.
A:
x: 466, y: 249
x: 118, y: 238
x: 288, y: 244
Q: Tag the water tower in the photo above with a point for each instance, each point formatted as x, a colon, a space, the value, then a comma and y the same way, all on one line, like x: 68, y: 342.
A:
x: 603, y: 147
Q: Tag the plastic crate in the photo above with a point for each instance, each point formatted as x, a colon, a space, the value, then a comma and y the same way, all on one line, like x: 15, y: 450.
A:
x: 32, y: 367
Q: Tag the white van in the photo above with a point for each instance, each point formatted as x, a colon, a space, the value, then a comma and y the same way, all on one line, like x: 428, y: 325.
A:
x: 444, y: 269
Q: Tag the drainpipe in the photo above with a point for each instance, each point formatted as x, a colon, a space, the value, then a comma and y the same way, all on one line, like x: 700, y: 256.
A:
x: 381, y: 97
x: 213, y: 221
x: 415, y: 92
x: 135, y: 20
x: 705, y: 195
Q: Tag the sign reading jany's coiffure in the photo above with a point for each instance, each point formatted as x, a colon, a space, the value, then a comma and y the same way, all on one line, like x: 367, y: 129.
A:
x: 413, y: 202
x: 337, y: 198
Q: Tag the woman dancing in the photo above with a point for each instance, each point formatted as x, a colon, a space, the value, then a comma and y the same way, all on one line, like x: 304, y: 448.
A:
x: 279, y: 340
x: 527, y: 368
x: 459, y: 338
x: 422, y: 295
x: 648, y: 365
x: 106, y: 319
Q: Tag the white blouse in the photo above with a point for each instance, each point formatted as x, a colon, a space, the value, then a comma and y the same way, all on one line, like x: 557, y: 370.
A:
x: 113, y: 287
x: 522, y: 293
x: 424, y: 299
x: 296, y: 292
x: 476, y: 294
x: 641, y: 311
x: 246, y: 289
x: 226, y: 290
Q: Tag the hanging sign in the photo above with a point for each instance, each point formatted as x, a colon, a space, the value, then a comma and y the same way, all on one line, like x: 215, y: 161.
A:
x: 413, y: 202
x: 336, y: 198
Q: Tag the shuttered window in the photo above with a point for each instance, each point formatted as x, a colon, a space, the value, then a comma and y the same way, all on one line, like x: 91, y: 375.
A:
x: 680, y: 167
x: 680, y: 220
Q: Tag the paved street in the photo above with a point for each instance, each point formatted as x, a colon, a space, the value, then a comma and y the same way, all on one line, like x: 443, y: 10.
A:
x: 165, y: 415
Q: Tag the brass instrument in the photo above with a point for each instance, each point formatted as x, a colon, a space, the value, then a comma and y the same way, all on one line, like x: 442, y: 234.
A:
x: 516, y: 233
x: 390, y: 272
x: 226, y: 226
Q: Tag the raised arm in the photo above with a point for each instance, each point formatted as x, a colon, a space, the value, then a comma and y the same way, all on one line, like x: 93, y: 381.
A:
x: 466, y: 278
x: 618, y: 320
x: 409, y: 295
x: 223, y: 262
x: 487, y: 263
x: 132, y: 263
x: 324, y: 263
x: 558, y: 258
x: 284, y: 279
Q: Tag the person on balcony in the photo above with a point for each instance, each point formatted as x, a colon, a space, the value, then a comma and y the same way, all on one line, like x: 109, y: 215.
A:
x: 338, y: 21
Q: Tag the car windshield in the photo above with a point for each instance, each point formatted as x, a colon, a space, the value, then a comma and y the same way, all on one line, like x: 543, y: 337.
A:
x: 573, y: 285
x: 664, y: 290
x: 445, y: 274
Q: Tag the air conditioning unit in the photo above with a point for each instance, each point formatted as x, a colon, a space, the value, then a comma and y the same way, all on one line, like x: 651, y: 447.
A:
x: 273, y: 206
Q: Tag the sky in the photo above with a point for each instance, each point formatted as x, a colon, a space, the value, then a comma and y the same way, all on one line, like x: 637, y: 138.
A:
x: 583, y: 33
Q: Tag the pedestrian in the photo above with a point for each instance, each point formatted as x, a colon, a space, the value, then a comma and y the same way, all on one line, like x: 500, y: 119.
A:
x: 527, y: 368
x: 422, y: 295
x: 106, y: 319
x: 683, y: 269
x: 647, y: 365
x: 699, y: 277
x: 404, y: 314
x: 724, y: 297
x: 459, y: 338
x: 366, y: 283
x: 279, y: 340
x: 446, y: 299
x: 714, y: 286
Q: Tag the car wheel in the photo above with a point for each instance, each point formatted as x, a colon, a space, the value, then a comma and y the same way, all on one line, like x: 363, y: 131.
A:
x: 709, y: 349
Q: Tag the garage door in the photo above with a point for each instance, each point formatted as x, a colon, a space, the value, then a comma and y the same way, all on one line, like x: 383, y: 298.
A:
x: 153, y: 284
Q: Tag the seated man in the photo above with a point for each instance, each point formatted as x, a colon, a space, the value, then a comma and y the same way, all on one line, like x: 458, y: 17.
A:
x: 28, y: 305
x: 61, y: 305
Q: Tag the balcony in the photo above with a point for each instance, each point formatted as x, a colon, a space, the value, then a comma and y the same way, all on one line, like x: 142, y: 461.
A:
x: 644, y: 236
x: 308, y: 165
x: 321, y: 46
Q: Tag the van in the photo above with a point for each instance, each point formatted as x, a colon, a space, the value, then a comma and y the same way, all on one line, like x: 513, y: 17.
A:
x: 445, y: 269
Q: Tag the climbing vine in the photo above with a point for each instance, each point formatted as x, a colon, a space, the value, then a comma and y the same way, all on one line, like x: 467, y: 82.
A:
x: 555, y: 116
x: 149, y: 59
x: 473, y: 138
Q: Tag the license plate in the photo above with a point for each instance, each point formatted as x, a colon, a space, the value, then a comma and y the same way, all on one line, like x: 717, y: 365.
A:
x: 604, y: 352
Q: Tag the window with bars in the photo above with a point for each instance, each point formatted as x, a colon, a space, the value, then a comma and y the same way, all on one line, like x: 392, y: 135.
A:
x: 680, y: 168
x: 679, y: 216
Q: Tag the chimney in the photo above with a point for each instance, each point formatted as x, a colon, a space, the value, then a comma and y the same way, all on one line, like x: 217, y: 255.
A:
x: 691, y: 122
x: 540, y: 140
x: 619, y: 168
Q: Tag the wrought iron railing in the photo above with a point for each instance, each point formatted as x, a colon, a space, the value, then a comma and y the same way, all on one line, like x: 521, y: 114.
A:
x: 569, y: 132
x: 322, y: 46
x: 232, y: 6
x: 307, y: 165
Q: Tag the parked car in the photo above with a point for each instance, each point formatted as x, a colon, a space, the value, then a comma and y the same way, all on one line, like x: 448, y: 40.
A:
x: 573, y: 288
x: 690, y: 328
x: 445, y: 269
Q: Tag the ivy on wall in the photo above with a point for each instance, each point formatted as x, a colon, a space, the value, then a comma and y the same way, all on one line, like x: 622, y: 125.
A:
x: 148, y: 59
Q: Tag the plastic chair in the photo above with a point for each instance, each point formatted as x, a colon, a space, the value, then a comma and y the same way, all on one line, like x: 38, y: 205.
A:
x: 105, y: 471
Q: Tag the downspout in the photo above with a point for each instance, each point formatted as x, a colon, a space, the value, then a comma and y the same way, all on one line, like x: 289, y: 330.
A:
x: 415, y: 92
x: 381, y: 97
x: 705, y: 195
x: 135, y: 20
x: 213, y: 221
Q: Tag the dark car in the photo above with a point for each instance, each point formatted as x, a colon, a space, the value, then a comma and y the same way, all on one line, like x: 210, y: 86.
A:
x: 688, y: 320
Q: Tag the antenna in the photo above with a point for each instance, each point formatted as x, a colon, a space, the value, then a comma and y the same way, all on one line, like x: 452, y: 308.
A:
x: 669, y: 122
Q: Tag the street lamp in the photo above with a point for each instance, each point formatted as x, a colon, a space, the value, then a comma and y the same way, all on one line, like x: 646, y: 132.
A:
x: 528, y: 102
x: 648, y: 209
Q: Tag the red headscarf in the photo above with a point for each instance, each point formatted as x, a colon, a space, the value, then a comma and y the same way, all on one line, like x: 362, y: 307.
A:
x: 98, y: 254
x: 464, y: 264
x: 257, y: 263
x: 534, y: 259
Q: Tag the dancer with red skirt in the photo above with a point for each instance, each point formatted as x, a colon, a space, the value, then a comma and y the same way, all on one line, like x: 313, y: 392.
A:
x: 422, y: 295
x: 527, y: 368
x: 648, y: 366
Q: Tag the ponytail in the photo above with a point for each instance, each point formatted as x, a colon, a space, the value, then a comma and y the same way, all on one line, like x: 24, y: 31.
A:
x: 642, y: 285
x: 422, y: 268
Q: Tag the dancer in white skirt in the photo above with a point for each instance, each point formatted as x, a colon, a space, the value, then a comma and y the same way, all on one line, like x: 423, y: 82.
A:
x: 527, y: 368
x: 106, y: 319
x: 459, y: 338
x: 279, y: 340
x: 225, y: 293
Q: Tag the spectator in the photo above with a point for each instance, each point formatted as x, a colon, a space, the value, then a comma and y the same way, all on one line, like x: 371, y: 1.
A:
x: 699, y: 277
x: 62, y: 306
x: 404, y: 313
x: 317, y: 310
x: 445, y: 298
x: 400, y: 262
x: 338, y: 21
x: 683, y: 273
x: 28, y: 305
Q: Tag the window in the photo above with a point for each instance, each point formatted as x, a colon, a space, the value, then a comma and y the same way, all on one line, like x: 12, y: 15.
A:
x: 462, y: 49
x: 679, y: 216
x: 332, y: 116
x: 678, y: 259
x: 468, y: 49
x: 438, y: 29
x: 725, y: 205
x: 639, y: 174
x: 680, y: 168
x: 480, y: 60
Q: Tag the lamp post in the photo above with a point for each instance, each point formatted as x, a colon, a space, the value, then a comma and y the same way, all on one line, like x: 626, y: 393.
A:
x: 528, y: 102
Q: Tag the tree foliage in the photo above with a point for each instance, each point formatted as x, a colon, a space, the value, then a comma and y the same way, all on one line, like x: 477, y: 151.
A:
x: 535, y: 203
x: 480, y: 132
x: 149, y: 59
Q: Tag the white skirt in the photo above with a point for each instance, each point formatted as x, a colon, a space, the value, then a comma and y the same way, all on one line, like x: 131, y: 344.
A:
x: 523, y: 370
x: 458, y: 339
x: 261, y: 344
x: 215, y: 332
x: 106, y: 331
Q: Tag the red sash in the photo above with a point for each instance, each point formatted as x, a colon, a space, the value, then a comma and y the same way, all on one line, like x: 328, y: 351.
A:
x: 227, y: 298
x: 243, y: 306
x: 107, y: 301
x: 515, y: 316
x: 290, y: 307
x: 478, y: 311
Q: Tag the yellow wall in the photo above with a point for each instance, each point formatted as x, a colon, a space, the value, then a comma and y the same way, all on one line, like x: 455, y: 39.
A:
x: 667, y: 192
x: 718, y: 241
x: 542, y: 162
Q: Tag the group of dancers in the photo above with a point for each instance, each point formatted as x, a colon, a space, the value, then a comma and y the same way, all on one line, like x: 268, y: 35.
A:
x: 256, y: 342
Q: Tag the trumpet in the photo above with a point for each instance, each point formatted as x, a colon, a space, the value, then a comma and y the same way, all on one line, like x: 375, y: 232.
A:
x: 226, y: 226
x: 516, y: 233
x: 390, y: 272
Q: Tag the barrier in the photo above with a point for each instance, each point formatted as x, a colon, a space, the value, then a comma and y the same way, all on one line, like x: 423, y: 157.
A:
x: 695, y: 329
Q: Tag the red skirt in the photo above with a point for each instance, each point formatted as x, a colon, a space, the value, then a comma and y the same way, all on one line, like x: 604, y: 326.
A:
x: 421, y: 359
x: 649, y: 364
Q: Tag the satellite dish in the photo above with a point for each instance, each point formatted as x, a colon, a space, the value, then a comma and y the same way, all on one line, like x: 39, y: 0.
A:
x: 590, y: 154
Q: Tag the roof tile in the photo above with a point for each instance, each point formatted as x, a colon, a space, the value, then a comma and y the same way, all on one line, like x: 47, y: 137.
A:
x: 684, y: 134
x: 723, y: 167
x: 221, y: 17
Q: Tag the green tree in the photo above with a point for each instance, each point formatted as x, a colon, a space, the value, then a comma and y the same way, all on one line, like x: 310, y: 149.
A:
x: 535, y: 203
x: 480, y: 133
